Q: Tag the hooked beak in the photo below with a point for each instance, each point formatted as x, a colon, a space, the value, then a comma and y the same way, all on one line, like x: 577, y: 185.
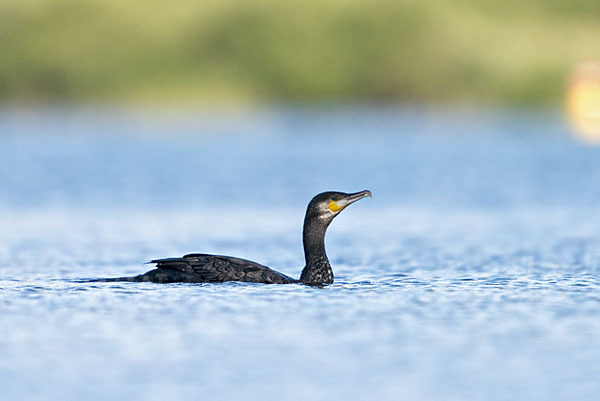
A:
x: 351, y: 198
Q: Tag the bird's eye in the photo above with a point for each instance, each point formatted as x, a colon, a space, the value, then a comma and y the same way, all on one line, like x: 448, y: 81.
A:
x: 335, y: 198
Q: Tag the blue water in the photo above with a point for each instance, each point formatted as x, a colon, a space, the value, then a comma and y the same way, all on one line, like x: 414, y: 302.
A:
x: 472, y: 274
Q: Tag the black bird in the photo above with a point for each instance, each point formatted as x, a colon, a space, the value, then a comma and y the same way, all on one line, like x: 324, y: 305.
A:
x: 204, y: 268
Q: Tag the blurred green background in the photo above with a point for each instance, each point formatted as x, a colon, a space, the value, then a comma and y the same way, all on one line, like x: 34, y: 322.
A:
x: 230, y: 51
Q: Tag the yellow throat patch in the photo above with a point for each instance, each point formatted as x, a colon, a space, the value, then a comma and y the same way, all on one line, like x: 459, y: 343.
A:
x: 334, y: 207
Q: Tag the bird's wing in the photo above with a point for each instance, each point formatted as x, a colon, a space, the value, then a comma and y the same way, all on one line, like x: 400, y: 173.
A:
x: 217, y: 268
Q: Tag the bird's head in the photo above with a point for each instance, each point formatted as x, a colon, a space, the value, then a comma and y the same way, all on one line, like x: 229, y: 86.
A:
x: 327, y: 205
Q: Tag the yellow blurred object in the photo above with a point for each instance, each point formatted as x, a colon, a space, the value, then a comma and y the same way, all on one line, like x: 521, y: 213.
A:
x: 583, y: 101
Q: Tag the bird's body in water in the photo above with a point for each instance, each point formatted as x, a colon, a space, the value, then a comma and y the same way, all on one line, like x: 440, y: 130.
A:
x: 205, y: 268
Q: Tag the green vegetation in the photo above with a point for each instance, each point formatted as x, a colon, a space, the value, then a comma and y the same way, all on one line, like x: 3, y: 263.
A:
x: 501, y: 51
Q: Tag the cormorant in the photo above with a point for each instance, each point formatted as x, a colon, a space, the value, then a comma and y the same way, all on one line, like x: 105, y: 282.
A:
x: 204, y: 268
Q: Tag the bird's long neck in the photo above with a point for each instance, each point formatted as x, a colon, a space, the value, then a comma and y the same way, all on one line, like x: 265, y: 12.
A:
x: 317, y: 269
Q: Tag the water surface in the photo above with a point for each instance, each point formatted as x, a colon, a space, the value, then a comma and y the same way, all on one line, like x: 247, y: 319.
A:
x: 473, y: 273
